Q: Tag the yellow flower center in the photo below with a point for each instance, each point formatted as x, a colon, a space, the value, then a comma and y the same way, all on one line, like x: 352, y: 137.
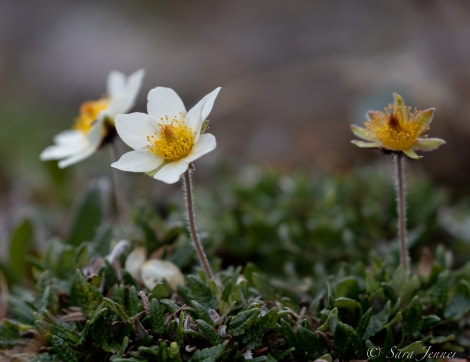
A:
x: 173, y: 141
x: 89, y: 113
x: 396, y: 128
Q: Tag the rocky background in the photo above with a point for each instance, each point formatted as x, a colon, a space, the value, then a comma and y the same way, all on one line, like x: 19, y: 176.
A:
x: 295, y: 75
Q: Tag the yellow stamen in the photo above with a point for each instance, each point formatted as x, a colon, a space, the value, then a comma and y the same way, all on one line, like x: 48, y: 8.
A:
x: 173, y: 141
x: 396, y: 128
x: 89, y: 113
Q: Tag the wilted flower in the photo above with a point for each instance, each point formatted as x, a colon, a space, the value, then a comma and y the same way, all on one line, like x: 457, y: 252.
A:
x: 397, y: 129
x: 152, y: 271
x: 96, y: 120
x: 167, y: 139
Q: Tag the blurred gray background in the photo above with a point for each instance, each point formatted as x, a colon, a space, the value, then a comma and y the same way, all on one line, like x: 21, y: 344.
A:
x: 295, y: 75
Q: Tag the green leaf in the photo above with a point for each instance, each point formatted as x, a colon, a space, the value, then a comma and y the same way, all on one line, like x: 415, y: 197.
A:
x: 63, y: 350
x: 21, y: 240
x: 347, y: 287
x: 84, y: 295
x: 414, y: 349
x: 199, y: 291
x: 289, y: 335
x: 201, y: 312
x: 438, y: 291
x: 208, y: 331
x: 310, y: 342
x: 135, y: 305
x: 157, y: 317
x: 267, y: 322
x: 208, y: 354
x: 459, y: 305
x: 242, y: 321
x: 88, y: 217
x: 349, y: 310
x: 413, y: 318
x: 347, y: 341
x: 377, y: 321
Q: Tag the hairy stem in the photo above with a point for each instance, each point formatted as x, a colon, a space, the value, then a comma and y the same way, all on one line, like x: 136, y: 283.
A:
x: 188, y: 189
x: 120, y: 190
x: 399, y: 161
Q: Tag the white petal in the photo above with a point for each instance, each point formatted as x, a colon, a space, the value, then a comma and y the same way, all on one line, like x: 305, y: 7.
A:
x: 69, y: 136
x: 115, y: 83
x: 364, y: 144
x: 134, y: 129
x: 154, y: 271
x: 96, y: 134
x: 201, y: 110
x: 67, y: 144
x: 162, y: 102
x: 138, y: 161
x: 134, y: 262
x: 205, y: 144
x: 172, y: 172
x: 123, y: 92
x: 77, y: 157
x: 428, y: 144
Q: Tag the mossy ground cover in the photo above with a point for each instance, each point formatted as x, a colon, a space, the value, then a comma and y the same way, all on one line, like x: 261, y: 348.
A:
x: 307, y: 267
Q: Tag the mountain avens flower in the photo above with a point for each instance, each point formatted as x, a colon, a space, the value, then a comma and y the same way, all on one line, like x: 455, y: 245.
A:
x: 96, y: 120
x: 398, y: 128
x: 165, y: 143
x: 167, y: 139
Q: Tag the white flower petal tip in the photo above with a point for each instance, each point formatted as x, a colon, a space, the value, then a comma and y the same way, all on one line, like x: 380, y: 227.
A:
x: 428, y: 144
x: 154, y: 271
x: 134, y: 262
x: 363, y: 144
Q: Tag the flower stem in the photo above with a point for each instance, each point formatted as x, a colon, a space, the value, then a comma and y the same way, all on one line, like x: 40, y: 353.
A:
x: 120, y: 190
x: 399, y: 161
x: 192, y: 224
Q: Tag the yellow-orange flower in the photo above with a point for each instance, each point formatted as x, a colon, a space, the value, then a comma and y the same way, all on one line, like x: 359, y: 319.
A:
x: 398, y: 128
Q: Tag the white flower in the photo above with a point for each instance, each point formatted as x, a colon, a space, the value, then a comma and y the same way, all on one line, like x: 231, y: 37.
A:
x: 152, y: 271
x: 96, y: 120
x: 167, y: 139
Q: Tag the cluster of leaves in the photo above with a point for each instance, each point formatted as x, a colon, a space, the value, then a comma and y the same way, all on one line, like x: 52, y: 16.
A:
x: 82, y: 307
x: 74, y: 317
x: 289, y: 224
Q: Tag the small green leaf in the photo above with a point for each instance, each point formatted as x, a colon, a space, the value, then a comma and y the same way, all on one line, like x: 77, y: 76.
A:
x: 347, y: 341
x: 201, y: 312
x: 242, y: 321
x: 83, y: 294
x: 157, y: 317
x: 253, y: 335
x: 459, y: 305
x: 135, y: 305
x: 20, y: 242
x: 348, y: 288
x: 413, y: 318
x: 208, y: 354
x: 208, y: 331
x: 349, y: 310
x: 438, y: 291
x: 88, y: 217
x: 377, y: 321
x: 63, y: 350
x: 289, y: 335
x: 414, y: 349
x: 198, y: 290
